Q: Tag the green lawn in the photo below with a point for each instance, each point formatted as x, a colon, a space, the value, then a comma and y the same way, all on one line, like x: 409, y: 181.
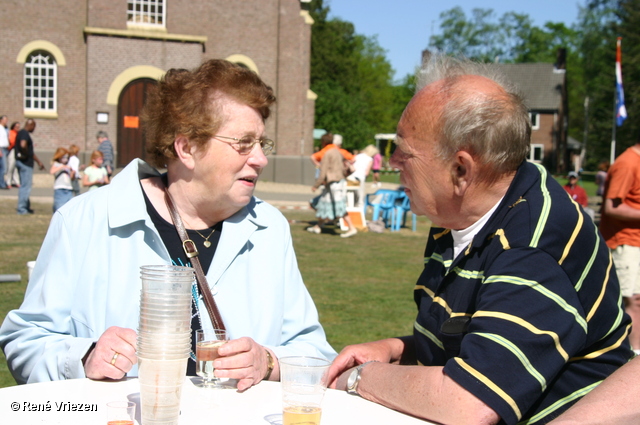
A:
x: 362, y: 286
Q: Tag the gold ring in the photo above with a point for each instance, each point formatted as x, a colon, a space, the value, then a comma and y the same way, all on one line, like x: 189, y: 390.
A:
x: 115, y: 357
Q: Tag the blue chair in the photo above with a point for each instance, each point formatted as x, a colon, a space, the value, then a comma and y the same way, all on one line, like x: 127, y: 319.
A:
x: 402, y: 207
x: 383, y: 202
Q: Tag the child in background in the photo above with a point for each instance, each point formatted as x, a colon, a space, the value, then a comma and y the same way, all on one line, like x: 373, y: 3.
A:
x: 63, y: 174
x: 74, y: 163
x: 95, y: 175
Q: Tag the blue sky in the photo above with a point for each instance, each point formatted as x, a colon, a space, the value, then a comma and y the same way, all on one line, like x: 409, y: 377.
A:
x: 404, y: 26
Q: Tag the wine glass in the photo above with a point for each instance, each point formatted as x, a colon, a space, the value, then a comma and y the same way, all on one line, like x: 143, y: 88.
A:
x: 207, y: 343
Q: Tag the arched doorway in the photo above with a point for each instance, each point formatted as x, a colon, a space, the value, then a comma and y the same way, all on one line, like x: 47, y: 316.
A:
x: 130, y: 134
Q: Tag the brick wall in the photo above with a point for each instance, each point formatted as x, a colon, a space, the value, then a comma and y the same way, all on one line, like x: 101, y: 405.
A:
x: 271, y: 33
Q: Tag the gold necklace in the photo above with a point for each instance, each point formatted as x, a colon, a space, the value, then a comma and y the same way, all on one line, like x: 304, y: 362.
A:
x: 206, y: 242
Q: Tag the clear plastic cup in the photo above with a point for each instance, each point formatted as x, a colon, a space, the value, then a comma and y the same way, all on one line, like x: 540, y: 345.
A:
x: 164, y: 340
x: 303, y: 388
x: 154, y: 298
x: 167, y: 279
x: 161, y: 389
x: 164, y: 315
x: 165, y: 307
x: 174, y: 326
x: 165, y: 337
x: 154, y: 348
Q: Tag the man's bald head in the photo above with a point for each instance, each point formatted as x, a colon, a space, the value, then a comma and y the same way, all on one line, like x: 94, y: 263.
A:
x: 467, y: 106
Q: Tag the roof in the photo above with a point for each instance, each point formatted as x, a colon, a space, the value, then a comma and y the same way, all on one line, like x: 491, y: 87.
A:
x: 540, y: 83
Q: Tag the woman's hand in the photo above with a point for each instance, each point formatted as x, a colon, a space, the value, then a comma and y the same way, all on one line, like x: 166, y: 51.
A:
x: 245, y: 360
x: 113, y: 355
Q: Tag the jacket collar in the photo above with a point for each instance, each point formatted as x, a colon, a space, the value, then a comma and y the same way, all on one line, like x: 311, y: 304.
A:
x: 126, y: 206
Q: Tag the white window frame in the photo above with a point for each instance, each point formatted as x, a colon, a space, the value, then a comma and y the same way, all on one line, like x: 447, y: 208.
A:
x: 535, y: 120
x: 144, y: 13
x: 536, y: 147
x: 40, y: 69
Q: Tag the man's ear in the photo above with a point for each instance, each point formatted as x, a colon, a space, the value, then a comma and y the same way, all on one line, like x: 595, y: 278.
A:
x: 463, y: 172
x: 184, y: 151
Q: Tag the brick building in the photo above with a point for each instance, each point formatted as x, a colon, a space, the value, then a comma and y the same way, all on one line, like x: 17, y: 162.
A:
x: 79, y: 66
x: 543, y: 86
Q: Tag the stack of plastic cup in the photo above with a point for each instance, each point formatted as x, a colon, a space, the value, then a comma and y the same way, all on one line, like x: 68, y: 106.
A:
x: 164, y: 341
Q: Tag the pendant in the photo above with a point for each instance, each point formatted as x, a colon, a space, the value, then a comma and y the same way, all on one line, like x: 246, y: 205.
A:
x: 207, y: 244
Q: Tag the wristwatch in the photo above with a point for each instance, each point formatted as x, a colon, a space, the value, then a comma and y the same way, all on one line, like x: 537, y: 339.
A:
x: 354, y: 378
x: 270, y: 365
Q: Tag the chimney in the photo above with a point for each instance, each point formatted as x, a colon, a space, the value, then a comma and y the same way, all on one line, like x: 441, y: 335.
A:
x: 561, y: 59
x: 426, y: 55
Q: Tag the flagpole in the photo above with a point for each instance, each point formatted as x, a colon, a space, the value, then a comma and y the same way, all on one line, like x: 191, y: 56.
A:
x: 613, y: 128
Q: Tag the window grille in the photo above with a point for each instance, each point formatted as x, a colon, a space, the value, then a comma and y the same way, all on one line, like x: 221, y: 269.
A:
x: 146, y: 12
x: 40, y: 82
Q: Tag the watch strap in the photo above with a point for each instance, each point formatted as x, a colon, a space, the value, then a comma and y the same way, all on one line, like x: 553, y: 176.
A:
x: 353, y: 388
x: 270, y: 365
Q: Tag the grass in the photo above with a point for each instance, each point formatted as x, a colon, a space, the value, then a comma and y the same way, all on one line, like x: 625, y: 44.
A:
x: 362, y: 286
x: 20, y: 242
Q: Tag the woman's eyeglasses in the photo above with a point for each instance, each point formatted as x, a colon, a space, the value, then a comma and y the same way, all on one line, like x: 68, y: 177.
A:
x: 245, y: 145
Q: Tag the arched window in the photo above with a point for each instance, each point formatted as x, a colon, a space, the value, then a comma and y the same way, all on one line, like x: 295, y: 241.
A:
x: 40, y: 82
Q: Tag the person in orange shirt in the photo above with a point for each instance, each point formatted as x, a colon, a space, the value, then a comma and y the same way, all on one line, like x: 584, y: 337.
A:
x: 620, y: 226
x: 11, y: 176
x: 332, y: 141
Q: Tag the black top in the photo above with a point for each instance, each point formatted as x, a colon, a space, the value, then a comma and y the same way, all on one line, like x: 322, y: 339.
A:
x: 24, y: 155
x: 172, y: 241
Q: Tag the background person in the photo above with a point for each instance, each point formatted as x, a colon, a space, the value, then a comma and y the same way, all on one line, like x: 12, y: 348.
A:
x: 518, y: 307
x: 577, y: 193
x: 601, y: 177
x: 362, y: 164
x: 331, y: 204
x: 74, y: 163
x: 95, y: 175
x: 81, y: 307
x: 4, y: 150
x: 106, y: 147
x: 25, y: 158
x: 330, y: 141
x: 63, y: 175
x: 620, y: 227
x: 12, y: 177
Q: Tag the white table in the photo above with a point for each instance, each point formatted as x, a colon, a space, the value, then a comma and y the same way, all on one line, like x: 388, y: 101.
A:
x: 258, y: 405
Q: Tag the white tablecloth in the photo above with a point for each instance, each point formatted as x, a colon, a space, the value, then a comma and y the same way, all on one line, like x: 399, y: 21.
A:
x: 258, y: 405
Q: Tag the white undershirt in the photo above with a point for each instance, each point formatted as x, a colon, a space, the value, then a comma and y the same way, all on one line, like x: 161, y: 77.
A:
x: 462, y: 238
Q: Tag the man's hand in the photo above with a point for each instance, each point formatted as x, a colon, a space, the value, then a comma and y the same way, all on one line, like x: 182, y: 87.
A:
x: 386, y: 351
x: 245, y: 360
x: 113, y: 355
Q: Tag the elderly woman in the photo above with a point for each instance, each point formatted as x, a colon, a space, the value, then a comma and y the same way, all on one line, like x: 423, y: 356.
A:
x: 206, y: 127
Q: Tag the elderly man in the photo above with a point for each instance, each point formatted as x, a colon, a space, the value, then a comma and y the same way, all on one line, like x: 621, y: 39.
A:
x: 519, y: 309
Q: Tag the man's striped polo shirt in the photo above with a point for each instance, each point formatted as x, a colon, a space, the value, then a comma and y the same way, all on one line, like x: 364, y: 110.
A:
x: 531, y: 309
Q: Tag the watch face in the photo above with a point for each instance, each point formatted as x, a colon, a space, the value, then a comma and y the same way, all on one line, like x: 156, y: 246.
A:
x: 351, y: 381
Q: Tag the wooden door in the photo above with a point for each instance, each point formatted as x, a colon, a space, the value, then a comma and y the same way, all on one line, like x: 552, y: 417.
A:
x: 130, y: 134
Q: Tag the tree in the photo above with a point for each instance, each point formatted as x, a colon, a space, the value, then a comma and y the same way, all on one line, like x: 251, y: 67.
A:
x: 353, y: 81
